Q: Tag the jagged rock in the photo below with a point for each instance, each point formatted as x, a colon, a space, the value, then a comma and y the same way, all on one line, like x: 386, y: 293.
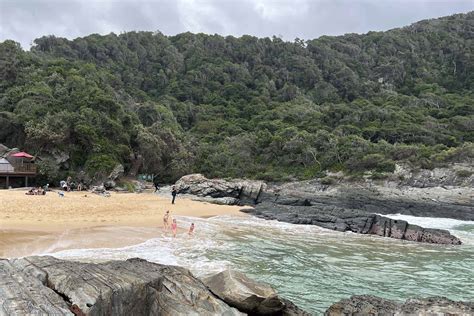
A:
x: 342, y: 207
x: 356, y: 221
x: 116, y: 173
x: 46, y: 285
x: 373, y: 305
x: 248, y: 296
x: 246, y: 191
x: 385, y: 198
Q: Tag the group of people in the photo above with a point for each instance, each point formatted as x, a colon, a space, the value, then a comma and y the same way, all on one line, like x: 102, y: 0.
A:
x: 174, y: 225
x: 36, y: 191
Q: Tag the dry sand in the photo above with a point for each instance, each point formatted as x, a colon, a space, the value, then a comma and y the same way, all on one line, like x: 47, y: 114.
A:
x: 39, y: 224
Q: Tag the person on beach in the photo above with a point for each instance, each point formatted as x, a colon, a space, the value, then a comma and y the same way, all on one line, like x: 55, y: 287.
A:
x: 174, y: 227
x: 174, y: 192
x: 191, y: 229
x: 166, y: 219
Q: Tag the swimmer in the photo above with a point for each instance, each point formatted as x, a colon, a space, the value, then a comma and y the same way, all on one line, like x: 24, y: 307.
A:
x: 191, y: 229
x: 174, y: 227
x: 166, y: 219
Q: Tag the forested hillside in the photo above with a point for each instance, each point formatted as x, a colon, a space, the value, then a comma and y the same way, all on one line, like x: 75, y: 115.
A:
x: 243, y: 107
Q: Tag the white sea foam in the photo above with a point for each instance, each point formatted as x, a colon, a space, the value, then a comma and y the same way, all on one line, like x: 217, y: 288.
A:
x: 431, y: 222
x: 300, y: 260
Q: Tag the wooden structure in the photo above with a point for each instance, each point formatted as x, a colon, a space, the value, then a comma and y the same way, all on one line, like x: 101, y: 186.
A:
x: 17, y: 169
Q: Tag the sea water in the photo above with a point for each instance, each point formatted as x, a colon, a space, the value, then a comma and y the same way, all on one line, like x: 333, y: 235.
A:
x: 312, y: 266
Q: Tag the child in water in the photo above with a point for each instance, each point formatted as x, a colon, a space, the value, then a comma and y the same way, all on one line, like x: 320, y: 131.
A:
x: 174, y: 227
x: 191, y: 229
x: 166, y: 219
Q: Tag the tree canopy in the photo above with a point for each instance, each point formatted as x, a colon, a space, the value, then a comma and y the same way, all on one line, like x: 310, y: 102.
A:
x: 243, y: 107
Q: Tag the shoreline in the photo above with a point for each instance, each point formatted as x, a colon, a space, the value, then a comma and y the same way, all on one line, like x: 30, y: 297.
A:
x: 40, y: 224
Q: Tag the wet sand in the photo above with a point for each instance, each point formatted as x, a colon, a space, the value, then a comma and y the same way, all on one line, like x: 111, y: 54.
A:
x: 40, y: 224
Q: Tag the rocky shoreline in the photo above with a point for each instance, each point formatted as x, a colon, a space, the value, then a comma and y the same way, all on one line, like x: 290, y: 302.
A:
x: 50, y: 286
x: 47, y: 285
x: 345, y: 206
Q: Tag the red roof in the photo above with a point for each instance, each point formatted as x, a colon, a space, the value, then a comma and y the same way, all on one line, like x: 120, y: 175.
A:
x: 22, y: 154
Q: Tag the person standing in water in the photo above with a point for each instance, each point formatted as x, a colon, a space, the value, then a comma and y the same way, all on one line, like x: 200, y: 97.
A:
x: 166, y: 219
x: 174, y: 227
x: 174, y: 192
x: 191, y: 229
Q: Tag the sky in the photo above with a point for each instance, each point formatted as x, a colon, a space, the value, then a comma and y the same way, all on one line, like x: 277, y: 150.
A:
x: 25, y: 20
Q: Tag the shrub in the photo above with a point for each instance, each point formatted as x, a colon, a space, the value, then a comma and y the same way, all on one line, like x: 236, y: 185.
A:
x: 100, y: 165
x: 328, y: 181
x: 463, y: 173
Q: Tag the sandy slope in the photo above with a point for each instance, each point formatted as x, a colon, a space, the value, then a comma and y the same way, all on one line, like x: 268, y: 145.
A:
x: 36, y: 224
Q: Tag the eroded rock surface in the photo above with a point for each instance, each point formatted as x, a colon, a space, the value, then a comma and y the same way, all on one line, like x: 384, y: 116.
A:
x: 245, y: 191
x: 361, y: 305
x: 248, y: 296
x: 46, y: 285
x: 356, y: 221
x: 343, y: 206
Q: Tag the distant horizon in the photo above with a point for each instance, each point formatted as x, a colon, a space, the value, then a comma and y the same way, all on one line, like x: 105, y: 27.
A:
x: 25, y: 21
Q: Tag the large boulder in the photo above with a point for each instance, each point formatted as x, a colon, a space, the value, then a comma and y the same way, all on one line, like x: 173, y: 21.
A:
x: 246, y: 191
x: 361, y: 305
x: 49, y: 286
x: 249, y: 296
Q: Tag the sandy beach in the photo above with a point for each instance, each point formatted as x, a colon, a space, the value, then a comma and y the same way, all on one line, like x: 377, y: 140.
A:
x: 39, y: 224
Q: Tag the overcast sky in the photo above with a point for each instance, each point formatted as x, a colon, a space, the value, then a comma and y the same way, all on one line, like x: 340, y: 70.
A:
x: 25, y: 20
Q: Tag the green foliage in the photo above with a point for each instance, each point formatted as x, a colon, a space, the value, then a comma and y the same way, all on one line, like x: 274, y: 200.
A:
x: 463, y: 173
x: 244, y: 107
x: 100, y: 165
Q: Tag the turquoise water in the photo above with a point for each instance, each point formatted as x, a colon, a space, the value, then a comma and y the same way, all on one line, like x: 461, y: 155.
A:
x: 312, y: 266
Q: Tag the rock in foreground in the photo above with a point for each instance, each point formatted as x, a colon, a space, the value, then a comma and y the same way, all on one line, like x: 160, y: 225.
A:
x: 248, y: 296
x: 359, y: 305
x: 46, y: 285
x: 50, y: 286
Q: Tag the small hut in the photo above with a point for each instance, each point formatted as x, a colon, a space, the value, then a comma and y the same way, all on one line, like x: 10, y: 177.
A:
x: 17, y: 169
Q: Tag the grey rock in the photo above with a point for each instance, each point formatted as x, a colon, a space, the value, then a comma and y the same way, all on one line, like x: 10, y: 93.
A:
x: 246, y: 191
x: 373, y: 305
x: 46, y: 285
x: 116, y: 173
x: 249, y: 296
x: 341, y: 219
x: 219, y: 201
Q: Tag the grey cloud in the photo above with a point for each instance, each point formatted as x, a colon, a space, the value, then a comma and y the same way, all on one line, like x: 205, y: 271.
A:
x: 25, y: 20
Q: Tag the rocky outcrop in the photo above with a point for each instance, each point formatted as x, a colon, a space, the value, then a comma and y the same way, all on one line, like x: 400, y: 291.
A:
x: 50, y: 286
x: 344, y: 206
x: 360, y: 305
x: 245, y: 191
x: 248, y: 296
x: 356, y: 221
x: 46, y: 285
x: 383, y: 198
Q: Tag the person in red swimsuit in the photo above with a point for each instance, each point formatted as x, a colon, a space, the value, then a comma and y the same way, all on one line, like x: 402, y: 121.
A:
x: 174, y: 227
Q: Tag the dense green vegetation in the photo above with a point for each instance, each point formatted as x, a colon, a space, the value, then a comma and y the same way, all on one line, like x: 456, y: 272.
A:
x: 243, y: 107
